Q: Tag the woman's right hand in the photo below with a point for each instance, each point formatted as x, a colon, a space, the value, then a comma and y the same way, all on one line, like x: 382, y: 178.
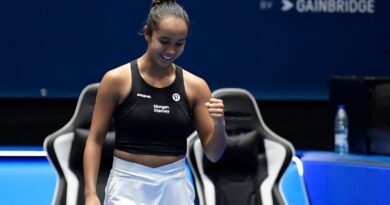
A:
x: 92, y: 200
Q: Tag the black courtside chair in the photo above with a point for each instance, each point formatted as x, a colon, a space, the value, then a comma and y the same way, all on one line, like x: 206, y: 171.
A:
x: 65, y: 149
x: 379, y: 132
x: 255, y: 159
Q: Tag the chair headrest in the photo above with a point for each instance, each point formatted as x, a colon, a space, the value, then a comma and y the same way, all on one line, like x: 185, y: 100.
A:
x: 240, y: 110
x: 85, y: 106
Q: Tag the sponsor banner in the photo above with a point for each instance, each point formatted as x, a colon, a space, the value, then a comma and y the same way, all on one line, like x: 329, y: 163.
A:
x: 276, y: 49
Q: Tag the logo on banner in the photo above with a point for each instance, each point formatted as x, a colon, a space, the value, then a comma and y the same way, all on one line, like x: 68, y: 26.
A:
x: 287, y: 5
x: 323, y: 6
x: 266, y: 4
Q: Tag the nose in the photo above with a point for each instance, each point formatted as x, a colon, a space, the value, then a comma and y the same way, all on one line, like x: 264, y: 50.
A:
x: 170, y: 49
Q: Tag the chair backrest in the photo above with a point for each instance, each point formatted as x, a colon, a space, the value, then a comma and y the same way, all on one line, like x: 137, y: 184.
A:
x: 381, y: 106
x: 379, y: 132
x: 254, y: 161
x: 65, y: 149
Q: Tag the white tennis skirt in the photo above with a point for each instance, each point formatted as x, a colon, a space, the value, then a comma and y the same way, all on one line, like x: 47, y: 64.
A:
x: 135, y: 184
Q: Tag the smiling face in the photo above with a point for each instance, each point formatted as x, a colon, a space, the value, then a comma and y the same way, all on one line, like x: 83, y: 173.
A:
x: 166, y: 43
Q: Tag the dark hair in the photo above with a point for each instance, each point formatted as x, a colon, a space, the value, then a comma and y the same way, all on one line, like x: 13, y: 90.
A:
x: 164, y: 8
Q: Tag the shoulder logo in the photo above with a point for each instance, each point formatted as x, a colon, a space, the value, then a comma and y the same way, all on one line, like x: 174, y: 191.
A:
x: 176, y: 97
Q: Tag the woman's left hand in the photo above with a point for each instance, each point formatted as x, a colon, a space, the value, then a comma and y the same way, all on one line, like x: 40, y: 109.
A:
x: 215, y: 107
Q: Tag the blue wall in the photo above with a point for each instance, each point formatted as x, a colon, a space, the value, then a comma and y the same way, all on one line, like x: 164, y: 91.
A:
x: 64, y: 45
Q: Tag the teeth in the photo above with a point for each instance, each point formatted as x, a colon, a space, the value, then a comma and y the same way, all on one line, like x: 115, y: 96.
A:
x: 167, y: 57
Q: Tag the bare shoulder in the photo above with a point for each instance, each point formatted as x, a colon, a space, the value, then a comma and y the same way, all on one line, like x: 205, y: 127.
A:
x: 196, y: 87
x: 192, y: 80
x: 117, y: 81
x: 118, y: 75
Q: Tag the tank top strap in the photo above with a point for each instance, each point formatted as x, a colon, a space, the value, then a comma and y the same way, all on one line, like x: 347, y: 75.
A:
x: 179, y: 75
x: 135, y: 75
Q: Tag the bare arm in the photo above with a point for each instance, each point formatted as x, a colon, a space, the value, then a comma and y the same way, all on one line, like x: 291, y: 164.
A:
x: 106, y: 101
x: 210, y: 122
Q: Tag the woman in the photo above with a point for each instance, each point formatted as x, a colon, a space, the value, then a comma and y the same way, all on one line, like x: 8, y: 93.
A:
x: 155, y: 105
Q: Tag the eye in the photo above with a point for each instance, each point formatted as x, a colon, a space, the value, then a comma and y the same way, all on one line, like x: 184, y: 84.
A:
x: 180, y: 44
x: 164, y: 42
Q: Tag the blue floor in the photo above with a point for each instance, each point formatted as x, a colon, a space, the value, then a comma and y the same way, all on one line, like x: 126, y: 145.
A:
x: 26, y: 181
x: 32, y: 180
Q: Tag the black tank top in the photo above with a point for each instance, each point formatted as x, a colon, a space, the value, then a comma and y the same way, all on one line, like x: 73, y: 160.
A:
x: 153, y: 120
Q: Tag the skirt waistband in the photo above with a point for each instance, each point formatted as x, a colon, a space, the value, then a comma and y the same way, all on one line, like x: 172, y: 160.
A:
x: 131, y: 167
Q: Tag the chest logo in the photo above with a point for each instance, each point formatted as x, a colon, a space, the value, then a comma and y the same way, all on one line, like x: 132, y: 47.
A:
x: 164, y: 109
x: 176, y: 97
x: 144, y: 96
